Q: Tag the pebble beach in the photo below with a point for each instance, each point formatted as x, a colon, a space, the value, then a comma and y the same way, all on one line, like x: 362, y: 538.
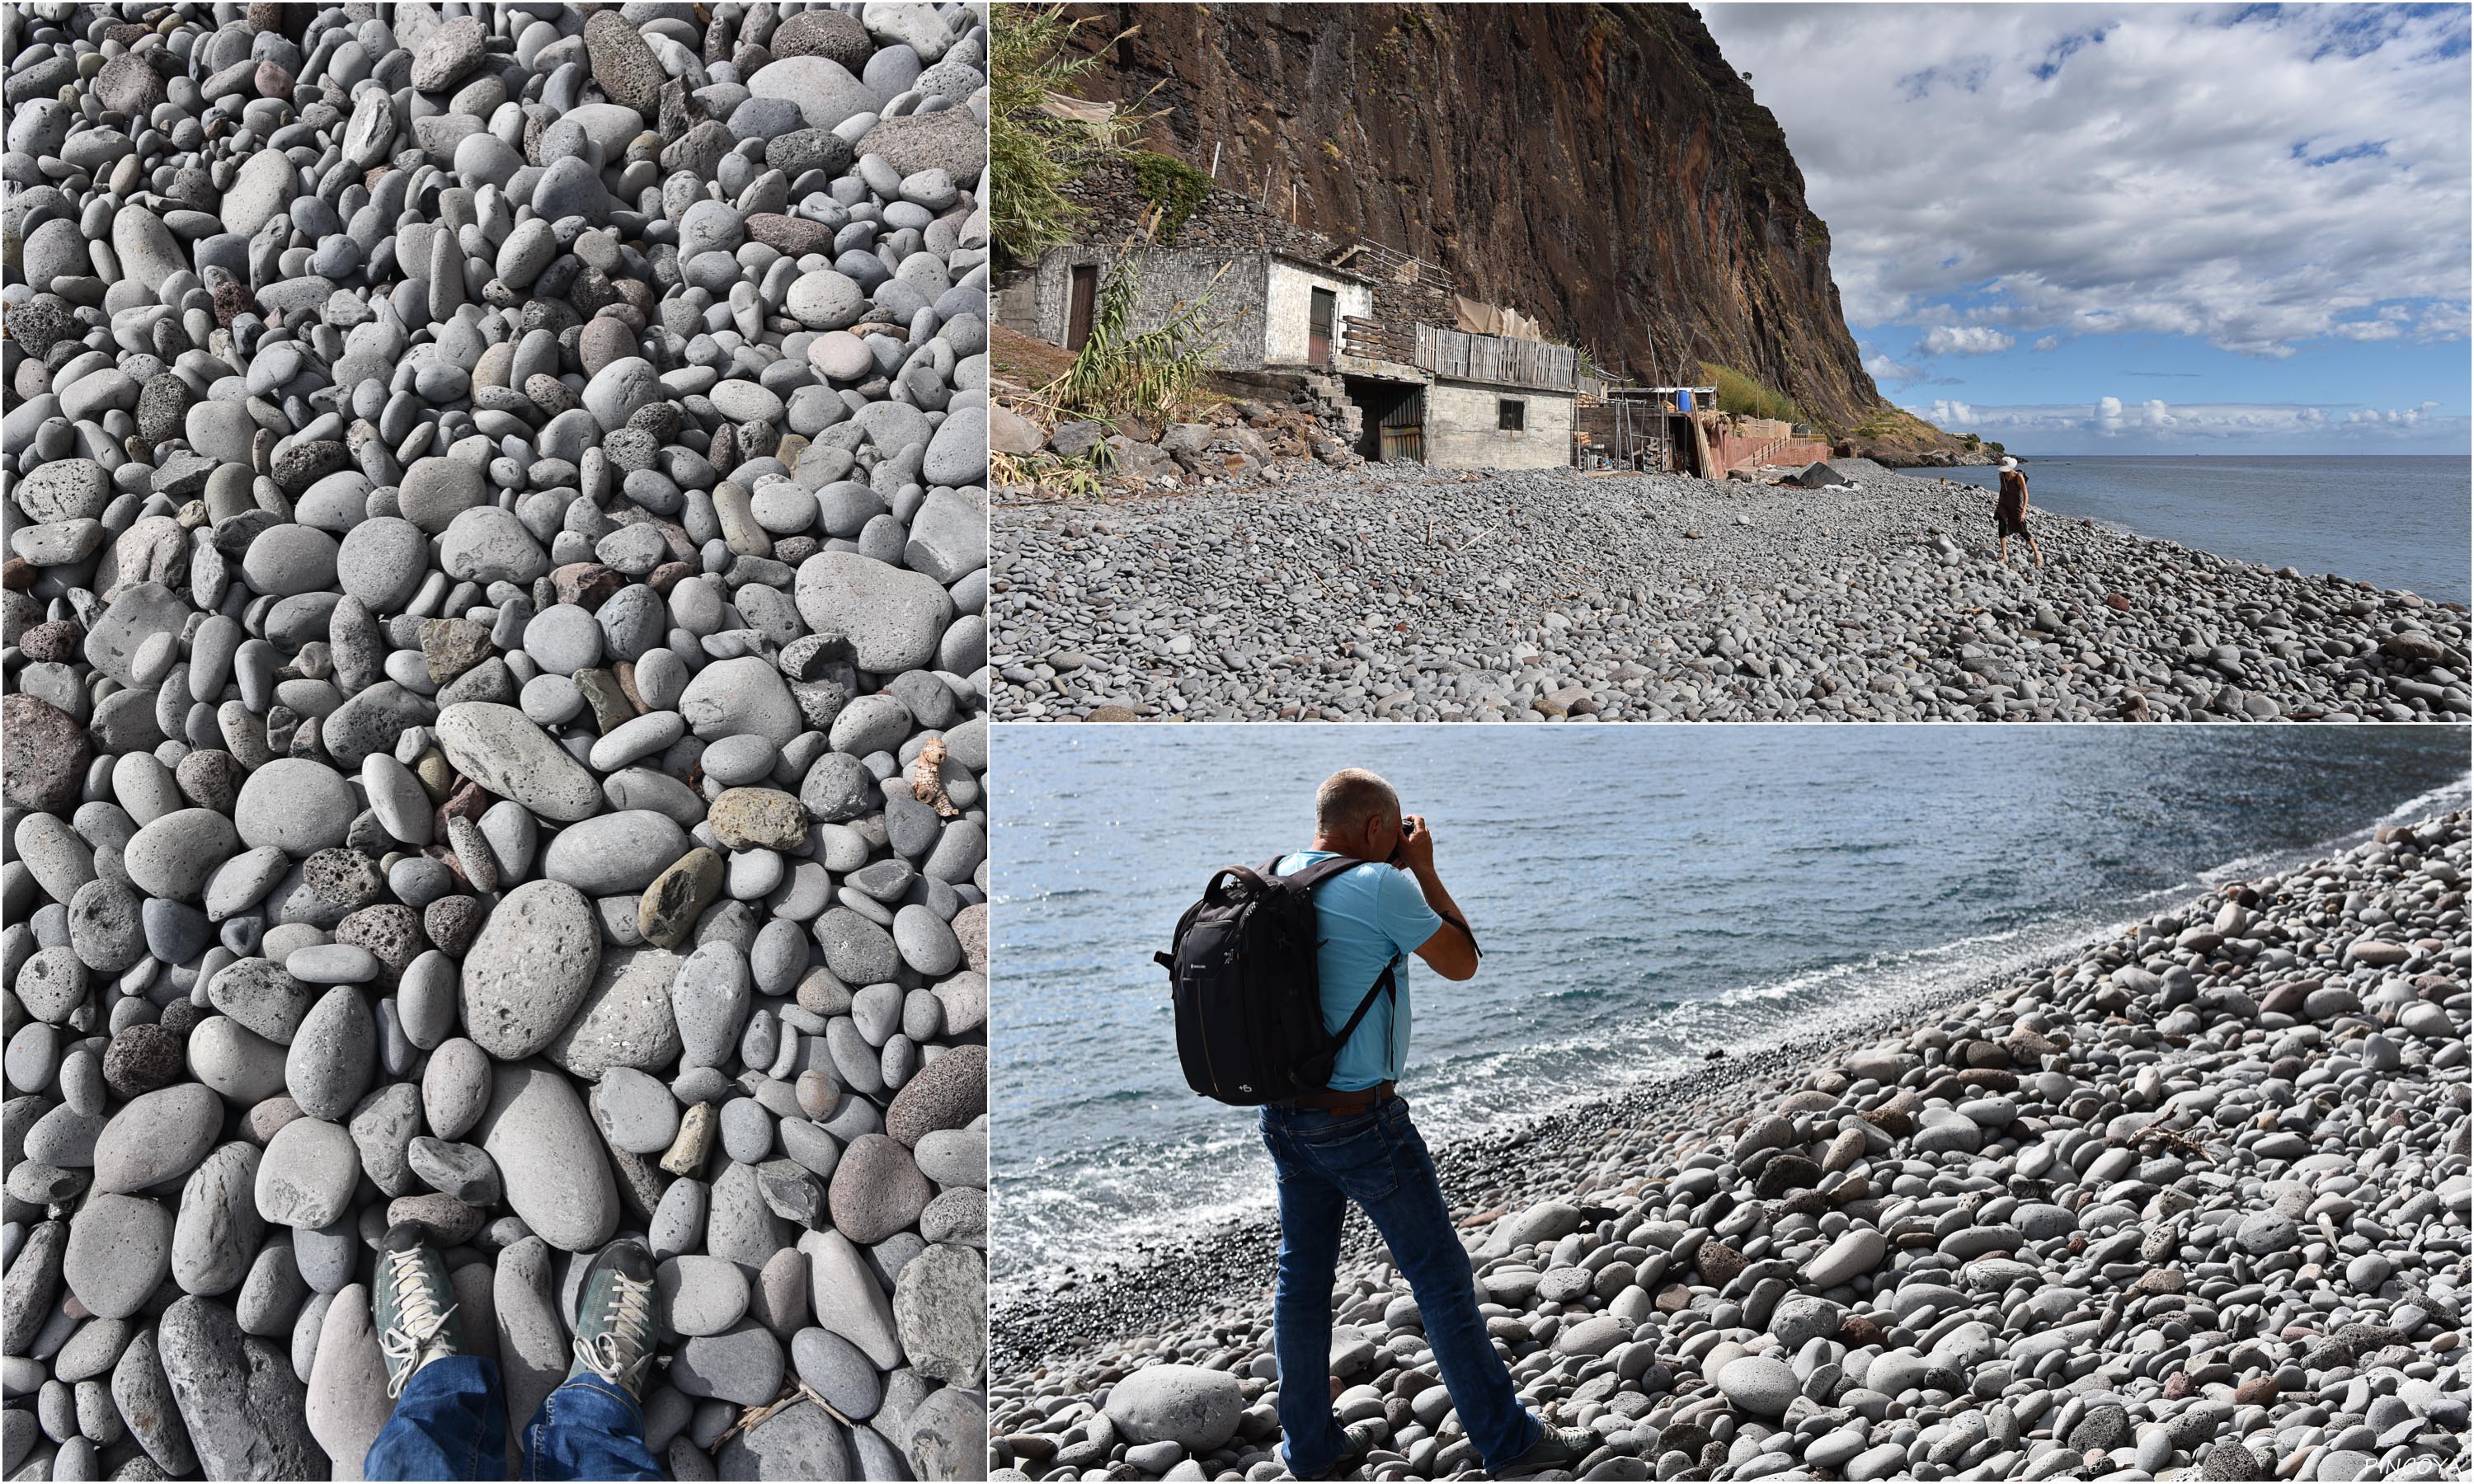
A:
x: 1405, y: 594
x: 495, y: 722
x: 2190, y: 1201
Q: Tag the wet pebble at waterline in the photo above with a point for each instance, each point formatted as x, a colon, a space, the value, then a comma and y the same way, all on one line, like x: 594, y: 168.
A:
x: 2190, y: 1203
x: 496, y: 705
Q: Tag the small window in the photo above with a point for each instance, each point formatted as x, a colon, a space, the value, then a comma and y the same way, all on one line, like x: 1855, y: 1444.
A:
x: 1511, y: 414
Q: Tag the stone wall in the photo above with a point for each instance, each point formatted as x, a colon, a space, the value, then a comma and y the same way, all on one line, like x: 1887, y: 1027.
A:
x: 1224, y: 218
x: 1172, y: 278
x: 1460, y: 431
x: 1287, y: 313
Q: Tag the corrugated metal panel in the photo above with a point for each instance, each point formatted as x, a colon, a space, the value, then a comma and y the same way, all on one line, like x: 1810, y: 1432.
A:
x: 1404, y: 427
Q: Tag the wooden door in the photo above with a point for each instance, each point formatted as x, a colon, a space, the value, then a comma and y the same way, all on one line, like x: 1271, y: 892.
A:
x: 1078, y: 319
x: 1319, y: 321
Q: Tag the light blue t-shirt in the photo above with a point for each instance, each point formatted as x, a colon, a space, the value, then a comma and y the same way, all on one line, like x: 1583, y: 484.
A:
x: 1368, y: 916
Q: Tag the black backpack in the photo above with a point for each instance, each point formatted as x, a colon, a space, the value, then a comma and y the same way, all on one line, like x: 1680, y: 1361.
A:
x: 1241, y: 976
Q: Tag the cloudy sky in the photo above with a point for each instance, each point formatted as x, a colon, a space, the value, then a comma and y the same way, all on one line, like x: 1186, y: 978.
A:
x: 2142, y: 228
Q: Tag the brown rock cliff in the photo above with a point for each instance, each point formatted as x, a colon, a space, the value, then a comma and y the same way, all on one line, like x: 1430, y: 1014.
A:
x: 1598, y: 166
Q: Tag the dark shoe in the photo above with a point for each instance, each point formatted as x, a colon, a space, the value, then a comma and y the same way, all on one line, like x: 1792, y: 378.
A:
x: 613, y: 1322
x: 1556, y: 1448
x: 1357, y: 1439
x: 413, y: 1305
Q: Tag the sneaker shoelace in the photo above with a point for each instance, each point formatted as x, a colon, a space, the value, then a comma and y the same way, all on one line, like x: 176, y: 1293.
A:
x: 617, y: 1349
x: 418, y: 1320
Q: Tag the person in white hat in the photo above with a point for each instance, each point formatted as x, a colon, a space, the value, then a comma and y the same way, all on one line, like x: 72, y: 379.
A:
x: 2010, y: 510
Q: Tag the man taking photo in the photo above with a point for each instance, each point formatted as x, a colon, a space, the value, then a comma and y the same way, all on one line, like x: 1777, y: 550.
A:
x: 1354, y: 1142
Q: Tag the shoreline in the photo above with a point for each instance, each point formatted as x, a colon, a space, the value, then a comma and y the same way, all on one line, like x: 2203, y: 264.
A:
x: 1440, y: 595
x: 1031, y: 1293
x: 1639, y: 1158
x: 2086, y: 486
x: 1150, y: 1288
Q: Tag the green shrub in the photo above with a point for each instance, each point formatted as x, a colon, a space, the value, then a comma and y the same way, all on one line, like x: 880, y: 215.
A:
x: 1034, y: 156
x: 1153, y: 372
x: 1173, y: 186
x: 1738, y: 393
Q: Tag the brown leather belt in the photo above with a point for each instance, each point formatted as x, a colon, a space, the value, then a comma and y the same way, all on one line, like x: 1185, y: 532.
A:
x: 1362, y: 1100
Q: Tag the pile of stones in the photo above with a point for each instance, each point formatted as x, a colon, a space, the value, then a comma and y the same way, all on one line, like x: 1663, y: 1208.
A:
x: 495, y: 724
x: 2190, y: 1202
x: 1251, y: 443
x: 1408, y: 593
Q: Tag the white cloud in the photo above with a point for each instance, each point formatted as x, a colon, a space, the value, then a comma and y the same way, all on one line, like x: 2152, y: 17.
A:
x: 2048, y: 344
x: 1964, y: 340
x: 2390, y: 324
x: 2445, y: 321
x: 2398, y: 417
x: 2251, y: 180
x: 1890, y: 373
x: 2154, y: 421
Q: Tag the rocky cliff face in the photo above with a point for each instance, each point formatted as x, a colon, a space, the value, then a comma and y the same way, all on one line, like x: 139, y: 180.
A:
x: 1600, y: 167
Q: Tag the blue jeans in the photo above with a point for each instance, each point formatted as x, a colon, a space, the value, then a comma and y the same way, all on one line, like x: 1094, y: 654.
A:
x: 1376, y: 1159
x: 451, y: 1424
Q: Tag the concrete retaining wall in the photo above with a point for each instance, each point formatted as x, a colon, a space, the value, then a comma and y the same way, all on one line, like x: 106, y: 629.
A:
x: 1460, y: 431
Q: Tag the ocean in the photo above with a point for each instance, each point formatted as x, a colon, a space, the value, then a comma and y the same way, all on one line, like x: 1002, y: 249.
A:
x: 1644, y: 895
x: 2397, y: 520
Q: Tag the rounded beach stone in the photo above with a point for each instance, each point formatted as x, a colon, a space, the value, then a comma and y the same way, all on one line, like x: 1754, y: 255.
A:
x: 1188, y: 1406
x: 155, y: 1138
x: 331, y: 1055
x: 380, y: 562
x: 536, y: 1126
x: 500, y: 748
x: 802, y: 1441
x: 740, y: 1364
x: 530, y: 969
x: 625, y: 1020
x: 455, y: 1088
x: 304, y: 1179
x: 892, y: 617
x: 877, y: 1189
x: 837, y: 1372
x: 946, y: 1093
x: 175, y: 854
x: 635, y: 1111
x: 611, y: 854
x: 295, y: 805
x: 119, y: 1248
x: 711, y: 999
x: 218, y: 1231
x: 700, y: 1295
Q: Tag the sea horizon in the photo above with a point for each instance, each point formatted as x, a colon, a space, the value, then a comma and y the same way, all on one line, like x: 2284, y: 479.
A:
x: 2298, y: 510
x: 2023, y: 455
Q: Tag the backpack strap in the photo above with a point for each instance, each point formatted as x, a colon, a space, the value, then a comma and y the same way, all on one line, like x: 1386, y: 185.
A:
x: 1313, y: 877
x: 1316, y: 874
x: 1383, y: 985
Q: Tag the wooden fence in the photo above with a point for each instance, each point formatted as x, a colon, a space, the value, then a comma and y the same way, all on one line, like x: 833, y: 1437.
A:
x: 1467, y: 357
x: 1492, y: 358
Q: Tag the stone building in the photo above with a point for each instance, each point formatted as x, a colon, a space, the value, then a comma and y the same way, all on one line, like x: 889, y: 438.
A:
x: 1375, y: 341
